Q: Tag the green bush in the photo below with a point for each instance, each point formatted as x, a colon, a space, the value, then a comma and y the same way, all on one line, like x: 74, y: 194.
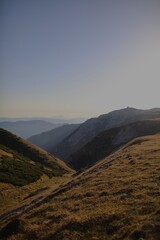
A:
x: 21, y: 171
x: 18, y: 172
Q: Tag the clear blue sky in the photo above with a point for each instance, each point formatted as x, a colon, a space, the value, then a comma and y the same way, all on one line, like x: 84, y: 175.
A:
x: 78, y: 58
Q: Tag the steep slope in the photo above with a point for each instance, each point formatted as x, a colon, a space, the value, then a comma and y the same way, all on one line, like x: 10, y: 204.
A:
x: 110, y: 140
x: 49, y: 139
x: 25, y: 129
x: 22, y: 162
x: 92, y: 127
x: 118, y: 198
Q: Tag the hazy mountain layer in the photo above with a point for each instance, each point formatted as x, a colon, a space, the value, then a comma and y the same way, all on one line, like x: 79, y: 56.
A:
x: 54, y: 120
x: 49, y: 139
x: 26, y: 129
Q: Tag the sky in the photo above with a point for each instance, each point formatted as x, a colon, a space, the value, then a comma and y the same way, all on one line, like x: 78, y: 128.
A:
x: 78, y: 58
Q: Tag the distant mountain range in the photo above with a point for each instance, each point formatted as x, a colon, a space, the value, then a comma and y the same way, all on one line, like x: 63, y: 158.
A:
x: 49, y: 139
x: 55, y: 120
x: 26, y: 129
x: 92, y: 127
x: 110, y: 140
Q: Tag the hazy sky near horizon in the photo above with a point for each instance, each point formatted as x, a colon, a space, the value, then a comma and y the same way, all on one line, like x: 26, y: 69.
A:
x: 78, y: 58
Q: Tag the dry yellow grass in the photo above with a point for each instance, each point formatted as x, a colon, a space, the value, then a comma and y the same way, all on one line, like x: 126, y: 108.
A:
x: 118, y: 198
x: 18, y: 149
x: 4, y: 153
x: 11, y: 196
x: 12, y: 143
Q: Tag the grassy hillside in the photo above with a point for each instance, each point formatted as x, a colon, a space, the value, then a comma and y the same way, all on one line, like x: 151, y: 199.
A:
x: 118, y: 198
x: 22, y: 163
x: 25, y: 168
x: 20, y: 146
x: 110, y: 140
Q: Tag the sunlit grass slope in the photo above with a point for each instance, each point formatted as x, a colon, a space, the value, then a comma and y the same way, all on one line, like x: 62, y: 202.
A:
x: 24, y: 169
x: 29, y: 150
x: 118, y: 198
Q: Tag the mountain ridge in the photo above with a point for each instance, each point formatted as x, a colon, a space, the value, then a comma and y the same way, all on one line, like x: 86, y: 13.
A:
x: 92, y: 127
x: 17, y: 154
x: 110, y: 140
x: 25, y: 129
x: 51, y: 138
